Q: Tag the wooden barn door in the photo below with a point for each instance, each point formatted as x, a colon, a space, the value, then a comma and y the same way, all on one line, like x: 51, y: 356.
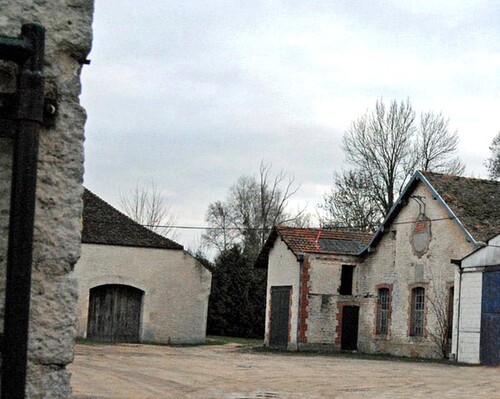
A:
x: 280, y: 313
x: 350, y: 321
x: 490, y: 319
x: 114, y: 313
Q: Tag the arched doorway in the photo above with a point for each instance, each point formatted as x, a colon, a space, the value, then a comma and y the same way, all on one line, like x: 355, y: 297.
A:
x: 114, y: 313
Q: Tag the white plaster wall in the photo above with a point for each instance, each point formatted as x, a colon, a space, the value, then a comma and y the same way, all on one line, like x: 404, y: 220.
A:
x: 176, y: 289
x: 395, y: 263
x: 283, y: 269
x: 470, y: 318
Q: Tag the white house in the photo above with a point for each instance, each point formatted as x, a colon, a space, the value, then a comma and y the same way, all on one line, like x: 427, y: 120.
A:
x: 394, y: 293
x: 311, y: 274
x: 478, y: 325
x: 136, y: 285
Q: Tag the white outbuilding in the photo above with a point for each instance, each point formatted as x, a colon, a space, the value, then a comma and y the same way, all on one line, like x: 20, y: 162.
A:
x: 136, y: 285
x: 478, y: 325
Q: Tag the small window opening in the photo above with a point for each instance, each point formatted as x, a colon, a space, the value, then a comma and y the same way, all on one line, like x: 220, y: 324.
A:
x: 451, y: 294
x: 346, y: 280
x: 325, y: 302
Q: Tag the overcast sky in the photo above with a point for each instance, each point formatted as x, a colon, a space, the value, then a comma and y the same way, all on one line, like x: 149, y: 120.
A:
x: 194, y: 94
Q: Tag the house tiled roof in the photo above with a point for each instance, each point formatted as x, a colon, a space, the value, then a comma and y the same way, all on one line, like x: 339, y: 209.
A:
x: 317, y: 241
x: 472, y: 203
x: 103, y: 224
x: 476, y: 202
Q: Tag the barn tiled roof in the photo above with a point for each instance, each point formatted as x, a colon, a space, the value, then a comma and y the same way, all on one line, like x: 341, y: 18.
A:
x: 317, y: 241
x: 103, y: 224
x: 476, y: 202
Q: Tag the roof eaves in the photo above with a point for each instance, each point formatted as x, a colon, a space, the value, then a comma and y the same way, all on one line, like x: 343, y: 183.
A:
x: 262, y: 259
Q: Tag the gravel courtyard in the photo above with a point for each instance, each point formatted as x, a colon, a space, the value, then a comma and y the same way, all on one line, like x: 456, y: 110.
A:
x: 235, y: 372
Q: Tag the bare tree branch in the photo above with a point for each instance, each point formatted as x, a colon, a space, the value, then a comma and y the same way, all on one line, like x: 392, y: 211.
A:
x: 439, y: 308
x: 253, y: 207
x: 149, y: 207
x: 493, y: 163
x: 385, y: 147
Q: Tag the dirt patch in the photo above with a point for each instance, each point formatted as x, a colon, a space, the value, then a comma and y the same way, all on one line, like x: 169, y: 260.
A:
x: 234, y: 372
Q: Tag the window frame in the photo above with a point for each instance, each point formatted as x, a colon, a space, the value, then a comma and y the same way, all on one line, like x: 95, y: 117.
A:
x: 383, y: 312
x: 418, y: 308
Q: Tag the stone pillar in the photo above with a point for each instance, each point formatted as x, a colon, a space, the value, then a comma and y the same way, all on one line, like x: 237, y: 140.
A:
x: 59, y: 189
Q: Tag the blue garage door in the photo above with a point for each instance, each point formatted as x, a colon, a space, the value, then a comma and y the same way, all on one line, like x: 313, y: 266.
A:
x: 490, y: 319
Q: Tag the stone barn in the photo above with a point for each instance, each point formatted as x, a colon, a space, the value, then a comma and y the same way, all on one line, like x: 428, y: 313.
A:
x: 394, y: 293
x: 136, y: 285
x: 478, y: 289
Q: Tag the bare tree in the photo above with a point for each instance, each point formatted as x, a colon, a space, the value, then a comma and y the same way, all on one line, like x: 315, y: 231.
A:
x: 440, y: 332
x: 221, y: 234
x: 493, y: 163
x: 349, y: 204
x: 380, y: 144
x: 437, y: 147
x: 149, y: 207
x: 252, y: 208
x: 385, y: 147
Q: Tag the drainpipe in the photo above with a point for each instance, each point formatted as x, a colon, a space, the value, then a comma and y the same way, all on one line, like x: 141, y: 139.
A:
x: 28, y: 52
x: 300, y: 259
x: 458, y: 263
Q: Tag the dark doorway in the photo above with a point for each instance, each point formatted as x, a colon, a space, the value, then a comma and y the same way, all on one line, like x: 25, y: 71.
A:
x: 490, y: 319
x: 280, y: 313
x: 114, y: 313
x: 349, y: 337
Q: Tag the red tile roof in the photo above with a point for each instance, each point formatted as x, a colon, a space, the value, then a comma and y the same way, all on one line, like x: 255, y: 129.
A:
x: 308, y: 240
x: 317, y: 241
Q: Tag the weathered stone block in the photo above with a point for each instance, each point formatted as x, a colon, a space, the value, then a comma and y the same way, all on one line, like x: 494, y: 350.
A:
x: 59, y: 190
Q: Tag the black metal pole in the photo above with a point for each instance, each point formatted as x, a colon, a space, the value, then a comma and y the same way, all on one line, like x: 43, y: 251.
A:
x: 30, y: 88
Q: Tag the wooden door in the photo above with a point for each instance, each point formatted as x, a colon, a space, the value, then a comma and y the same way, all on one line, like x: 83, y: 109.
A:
x: 280, y: 314
x: 490, y: 319
x: 350, y: 320
x: 114, y: 313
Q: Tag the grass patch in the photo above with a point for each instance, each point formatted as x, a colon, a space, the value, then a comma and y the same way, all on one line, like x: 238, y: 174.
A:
x: 352, y: 355
x: 210, y: 340
x: 220, y: 340
x: 90, y: 342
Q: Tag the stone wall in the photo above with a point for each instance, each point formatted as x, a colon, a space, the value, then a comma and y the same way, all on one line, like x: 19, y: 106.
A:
x: 59, y: 188
x: 325, y: 302
x: 176, y: 289
x: 396, y: 263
